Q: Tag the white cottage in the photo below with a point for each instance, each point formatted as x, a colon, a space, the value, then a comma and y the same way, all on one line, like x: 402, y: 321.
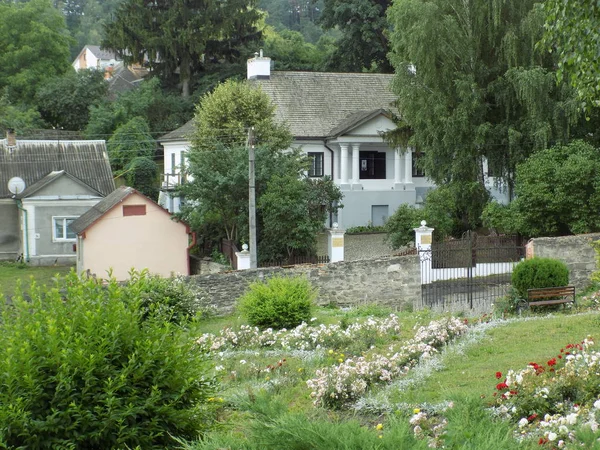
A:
x: 338, y: 120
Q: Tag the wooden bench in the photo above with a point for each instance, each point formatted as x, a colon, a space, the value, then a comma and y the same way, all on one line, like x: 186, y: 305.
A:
x: 551, y: 296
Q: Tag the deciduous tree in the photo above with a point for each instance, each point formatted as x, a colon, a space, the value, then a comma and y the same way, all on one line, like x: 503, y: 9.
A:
x: 472, y: 85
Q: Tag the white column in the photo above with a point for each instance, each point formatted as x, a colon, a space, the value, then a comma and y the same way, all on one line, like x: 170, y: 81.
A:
x: 355, y: 164
x: 397, y: 166
x: 335, y: 244
x: 408, y: 167
x: 344, y: 163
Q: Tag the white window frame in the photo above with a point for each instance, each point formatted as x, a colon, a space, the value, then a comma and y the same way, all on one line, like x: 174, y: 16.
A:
x: 64, y: 238
x: 316, y: 170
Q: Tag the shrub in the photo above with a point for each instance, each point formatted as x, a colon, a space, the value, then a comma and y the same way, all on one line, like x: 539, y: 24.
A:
x: 537, y: 273
x: 81, y: 369
x: 278, y: 303
x: 171, y: 298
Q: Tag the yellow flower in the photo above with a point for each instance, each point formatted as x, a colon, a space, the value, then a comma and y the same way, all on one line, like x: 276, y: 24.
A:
x: 210, y: 399
x: 330, y: 352
x: 342, y: 355
x: 379, y: 427
x: 267, y: 378
x: 300, y: 369
x: 380, y: 436
x: 416, y: 410
x: 341, y: 360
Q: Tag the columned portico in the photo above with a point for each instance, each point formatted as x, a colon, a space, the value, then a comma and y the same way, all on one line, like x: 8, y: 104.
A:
x: 397, y: 169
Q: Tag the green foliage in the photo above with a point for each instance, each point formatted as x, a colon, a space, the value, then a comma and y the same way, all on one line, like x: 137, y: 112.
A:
x: 558, y: 191
x: 500, y: 218
x: 369, y: 228
x: 363, y: 45
x: 538, y: 273
x: 17, y: 116
x: 64, y: 102
x: 174, y: 36
x: 571, y: 31
x: 471, y: 84
x: 440, y: 212
x: 35, y: 47
x: 293, y: 211
x: 226, y: 114
x: 162, y: 110
x: 290, y: 51
x: 280, y: 302
x: 81, y: 369
x: 142, y: 174
x: 172, y: 299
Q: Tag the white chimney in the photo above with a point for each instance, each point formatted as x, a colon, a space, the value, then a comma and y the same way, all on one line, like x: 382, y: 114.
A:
x: 259, y: 67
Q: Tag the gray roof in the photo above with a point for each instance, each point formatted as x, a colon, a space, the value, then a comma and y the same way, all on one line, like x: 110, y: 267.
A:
x: 88, y: 218
x: 317, y: 104
x: 320, y: 104
x: 180, y: 134
x: 87, y: 161
x: 100, y: 53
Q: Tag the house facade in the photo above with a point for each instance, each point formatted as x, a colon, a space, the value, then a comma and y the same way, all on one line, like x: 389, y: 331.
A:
x: 44, y: 186
x: 338, y: 120
x: 127, y: 230
x: 93, y: 57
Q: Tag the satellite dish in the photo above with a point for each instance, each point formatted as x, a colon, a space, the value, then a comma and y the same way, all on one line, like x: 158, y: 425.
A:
x: 16, y: 185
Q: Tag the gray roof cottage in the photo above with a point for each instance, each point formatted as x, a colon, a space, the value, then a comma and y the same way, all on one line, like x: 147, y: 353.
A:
x: 44, y: 186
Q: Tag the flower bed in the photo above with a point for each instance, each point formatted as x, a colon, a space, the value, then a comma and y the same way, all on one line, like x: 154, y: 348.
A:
x: 337, y: 385
x: 554, y: 403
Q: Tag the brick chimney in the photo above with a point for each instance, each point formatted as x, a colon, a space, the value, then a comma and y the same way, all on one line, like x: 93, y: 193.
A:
x: 259, y: 67
x: 11, y: 138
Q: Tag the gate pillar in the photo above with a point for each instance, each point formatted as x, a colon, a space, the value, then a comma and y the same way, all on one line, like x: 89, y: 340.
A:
x: 423, y: 238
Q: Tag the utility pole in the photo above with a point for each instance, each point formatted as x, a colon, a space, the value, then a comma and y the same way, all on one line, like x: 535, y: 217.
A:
x: 252, y: 199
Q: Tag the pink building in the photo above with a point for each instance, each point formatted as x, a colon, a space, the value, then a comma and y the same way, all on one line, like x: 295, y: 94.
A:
x: 127, y: 230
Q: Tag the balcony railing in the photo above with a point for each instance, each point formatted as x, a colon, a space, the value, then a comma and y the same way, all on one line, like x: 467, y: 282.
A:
x: 172, y: 180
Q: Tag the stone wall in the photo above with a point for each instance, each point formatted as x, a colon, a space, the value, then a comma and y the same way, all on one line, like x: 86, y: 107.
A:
x: 575, y: 251
x: 391, y: 281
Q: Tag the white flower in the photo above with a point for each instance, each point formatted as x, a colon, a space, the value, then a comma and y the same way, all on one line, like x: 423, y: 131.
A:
x: 597, y: 404
x: 523, y: 422
x: 243, y: 361
x: 572, y: 419
x: 552, y: 436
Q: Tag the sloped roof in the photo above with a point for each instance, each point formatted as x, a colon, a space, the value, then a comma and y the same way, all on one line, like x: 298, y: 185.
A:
x: 100, y: 53
x: 355, y: 120
x: 52, y: 176
x: 180, y: 134
x: 315, y: 104
x: 124, y: 79
x: 102, y: 207
x: 32, y: 161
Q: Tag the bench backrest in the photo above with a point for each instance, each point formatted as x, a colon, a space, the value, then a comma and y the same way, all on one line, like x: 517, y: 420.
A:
x: 551, y: 292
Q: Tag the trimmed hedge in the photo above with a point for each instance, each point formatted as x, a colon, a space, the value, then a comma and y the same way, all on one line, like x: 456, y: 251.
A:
x: 537, y: 273
x: 278, y: 303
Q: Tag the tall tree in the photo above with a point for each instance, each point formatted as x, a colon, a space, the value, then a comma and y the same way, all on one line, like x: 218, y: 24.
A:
x: 573, y: 32
x: 178, y: 35
x: 34, y: 46
x: 64, y: 102
x: 364, y: 42
x: 471, y: 84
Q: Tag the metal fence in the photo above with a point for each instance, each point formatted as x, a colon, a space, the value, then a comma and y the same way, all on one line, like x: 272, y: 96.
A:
x: 470, y: 272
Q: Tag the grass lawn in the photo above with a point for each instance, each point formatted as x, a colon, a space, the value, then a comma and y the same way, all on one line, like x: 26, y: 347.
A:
x: 12, y: 273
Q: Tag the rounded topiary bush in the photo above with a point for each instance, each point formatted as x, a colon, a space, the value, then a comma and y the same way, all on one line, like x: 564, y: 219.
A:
x: 82, y: 369
x: 278, y: 303
x: 538, y: 273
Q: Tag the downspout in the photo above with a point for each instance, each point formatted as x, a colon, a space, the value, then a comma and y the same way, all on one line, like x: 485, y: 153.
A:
x: 332, y: 178
x: 26, y: 224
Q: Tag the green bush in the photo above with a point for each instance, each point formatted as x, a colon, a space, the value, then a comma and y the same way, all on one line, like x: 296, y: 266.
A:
x: 278, y: 303
x: 537, y: 273
x: 172, y: 298
x: 81, y: 369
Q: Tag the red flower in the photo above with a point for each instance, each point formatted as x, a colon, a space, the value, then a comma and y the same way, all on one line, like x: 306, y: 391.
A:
x: 542, y: 441
x: 498, y: 375
x: 552, y: 362
x: 559, y: 356
x: 532, y: 417
x: 562, y: 350
x: 513, y: 392
x: 501, y: 386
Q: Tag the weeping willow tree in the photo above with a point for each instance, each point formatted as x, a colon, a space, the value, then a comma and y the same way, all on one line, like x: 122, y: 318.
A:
x: 472, y: 84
